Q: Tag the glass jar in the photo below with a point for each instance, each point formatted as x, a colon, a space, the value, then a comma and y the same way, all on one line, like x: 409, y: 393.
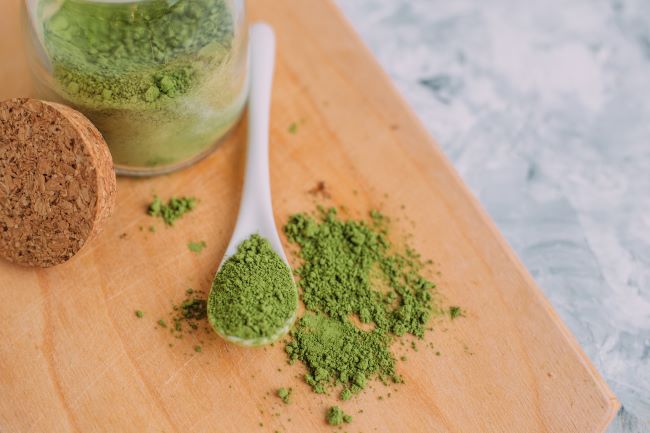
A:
x: 163, y: 80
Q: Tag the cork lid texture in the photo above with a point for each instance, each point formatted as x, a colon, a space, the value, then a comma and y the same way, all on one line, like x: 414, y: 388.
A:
x: 57, y: 182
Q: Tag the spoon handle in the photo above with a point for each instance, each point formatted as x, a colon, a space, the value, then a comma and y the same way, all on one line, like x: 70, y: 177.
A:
x: 255, y: 209
x: 257, y: 185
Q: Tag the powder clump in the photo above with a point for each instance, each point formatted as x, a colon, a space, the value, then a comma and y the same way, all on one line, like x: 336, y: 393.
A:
x: 285, y: 394
x: 253, y: 295
x: 336, y: 416
x: 174, y: 209
x: 336, y: 351
x: 359, y: 294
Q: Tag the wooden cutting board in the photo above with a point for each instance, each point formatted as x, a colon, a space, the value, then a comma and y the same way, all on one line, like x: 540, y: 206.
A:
x: 74, y: 358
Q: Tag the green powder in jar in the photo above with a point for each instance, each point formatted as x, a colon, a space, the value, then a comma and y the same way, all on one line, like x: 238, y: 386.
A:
x: 253, y: 295
x: 156, y: 77
x: 360, y: 294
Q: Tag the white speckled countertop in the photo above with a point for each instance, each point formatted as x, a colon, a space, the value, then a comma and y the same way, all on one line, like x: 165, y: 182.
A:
x: 544, y: 109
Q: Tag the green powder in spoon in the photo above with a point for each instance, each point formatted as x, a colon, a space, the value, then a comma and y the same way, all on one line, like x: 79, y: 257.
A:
x: 253, y: 295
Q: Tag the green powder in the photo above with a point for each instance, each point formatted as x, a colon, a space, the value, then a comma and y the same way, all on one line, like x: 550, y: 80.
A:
x: 188, y: 316
x: 253, y: 295
x: 359, y: 295
x: 337, y: 352
x: 156, y: 76
x: 194, y: 308
x: 349, y: 270
x: 173, y: 210
x: 196, y: 247
x: 336, y: 416
x: 285, y: 394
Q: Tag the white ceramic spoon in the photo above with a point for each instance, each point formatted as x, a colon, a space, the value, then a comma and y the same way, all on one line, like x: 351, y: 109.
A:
x: 255, y: 208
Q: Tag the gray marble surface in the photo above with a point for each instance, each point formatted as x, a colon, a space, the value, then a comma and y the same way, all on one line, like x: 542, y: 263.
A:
x: 544, y: 109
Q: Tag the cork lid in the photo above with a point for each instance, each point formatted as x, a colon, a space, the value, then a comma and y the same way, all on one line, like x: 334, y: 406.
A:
x: 57, y: 183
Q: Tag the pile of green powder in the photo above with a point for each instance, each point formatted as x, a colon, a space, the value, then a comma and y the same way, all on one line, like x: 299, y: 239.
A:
x: 253, y: 295
x: 336, y: 351
x: 172, y: 210
x: 335, y: 416
x: 359, y: 294
x: 285, y: 394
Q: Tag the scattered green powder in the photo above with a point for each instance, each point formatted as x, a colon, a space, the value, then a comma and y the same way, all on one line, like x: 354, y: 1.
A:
x: 359, y: 294
x: 196, y: 247
x: 189, y: 316
x: 455, y: 311
x: 253, y: 295
x: 285, y: 394
x: 293, y: 128
x: 193, y: 309
x: 336, y: 416
x: 173, y: 210
x: 152, y: 229
x: 139, y: 314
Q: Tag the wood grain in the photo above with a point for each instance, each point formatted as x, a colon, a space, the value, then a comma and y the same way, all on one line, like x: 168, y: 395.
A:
x: 74, y: 358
